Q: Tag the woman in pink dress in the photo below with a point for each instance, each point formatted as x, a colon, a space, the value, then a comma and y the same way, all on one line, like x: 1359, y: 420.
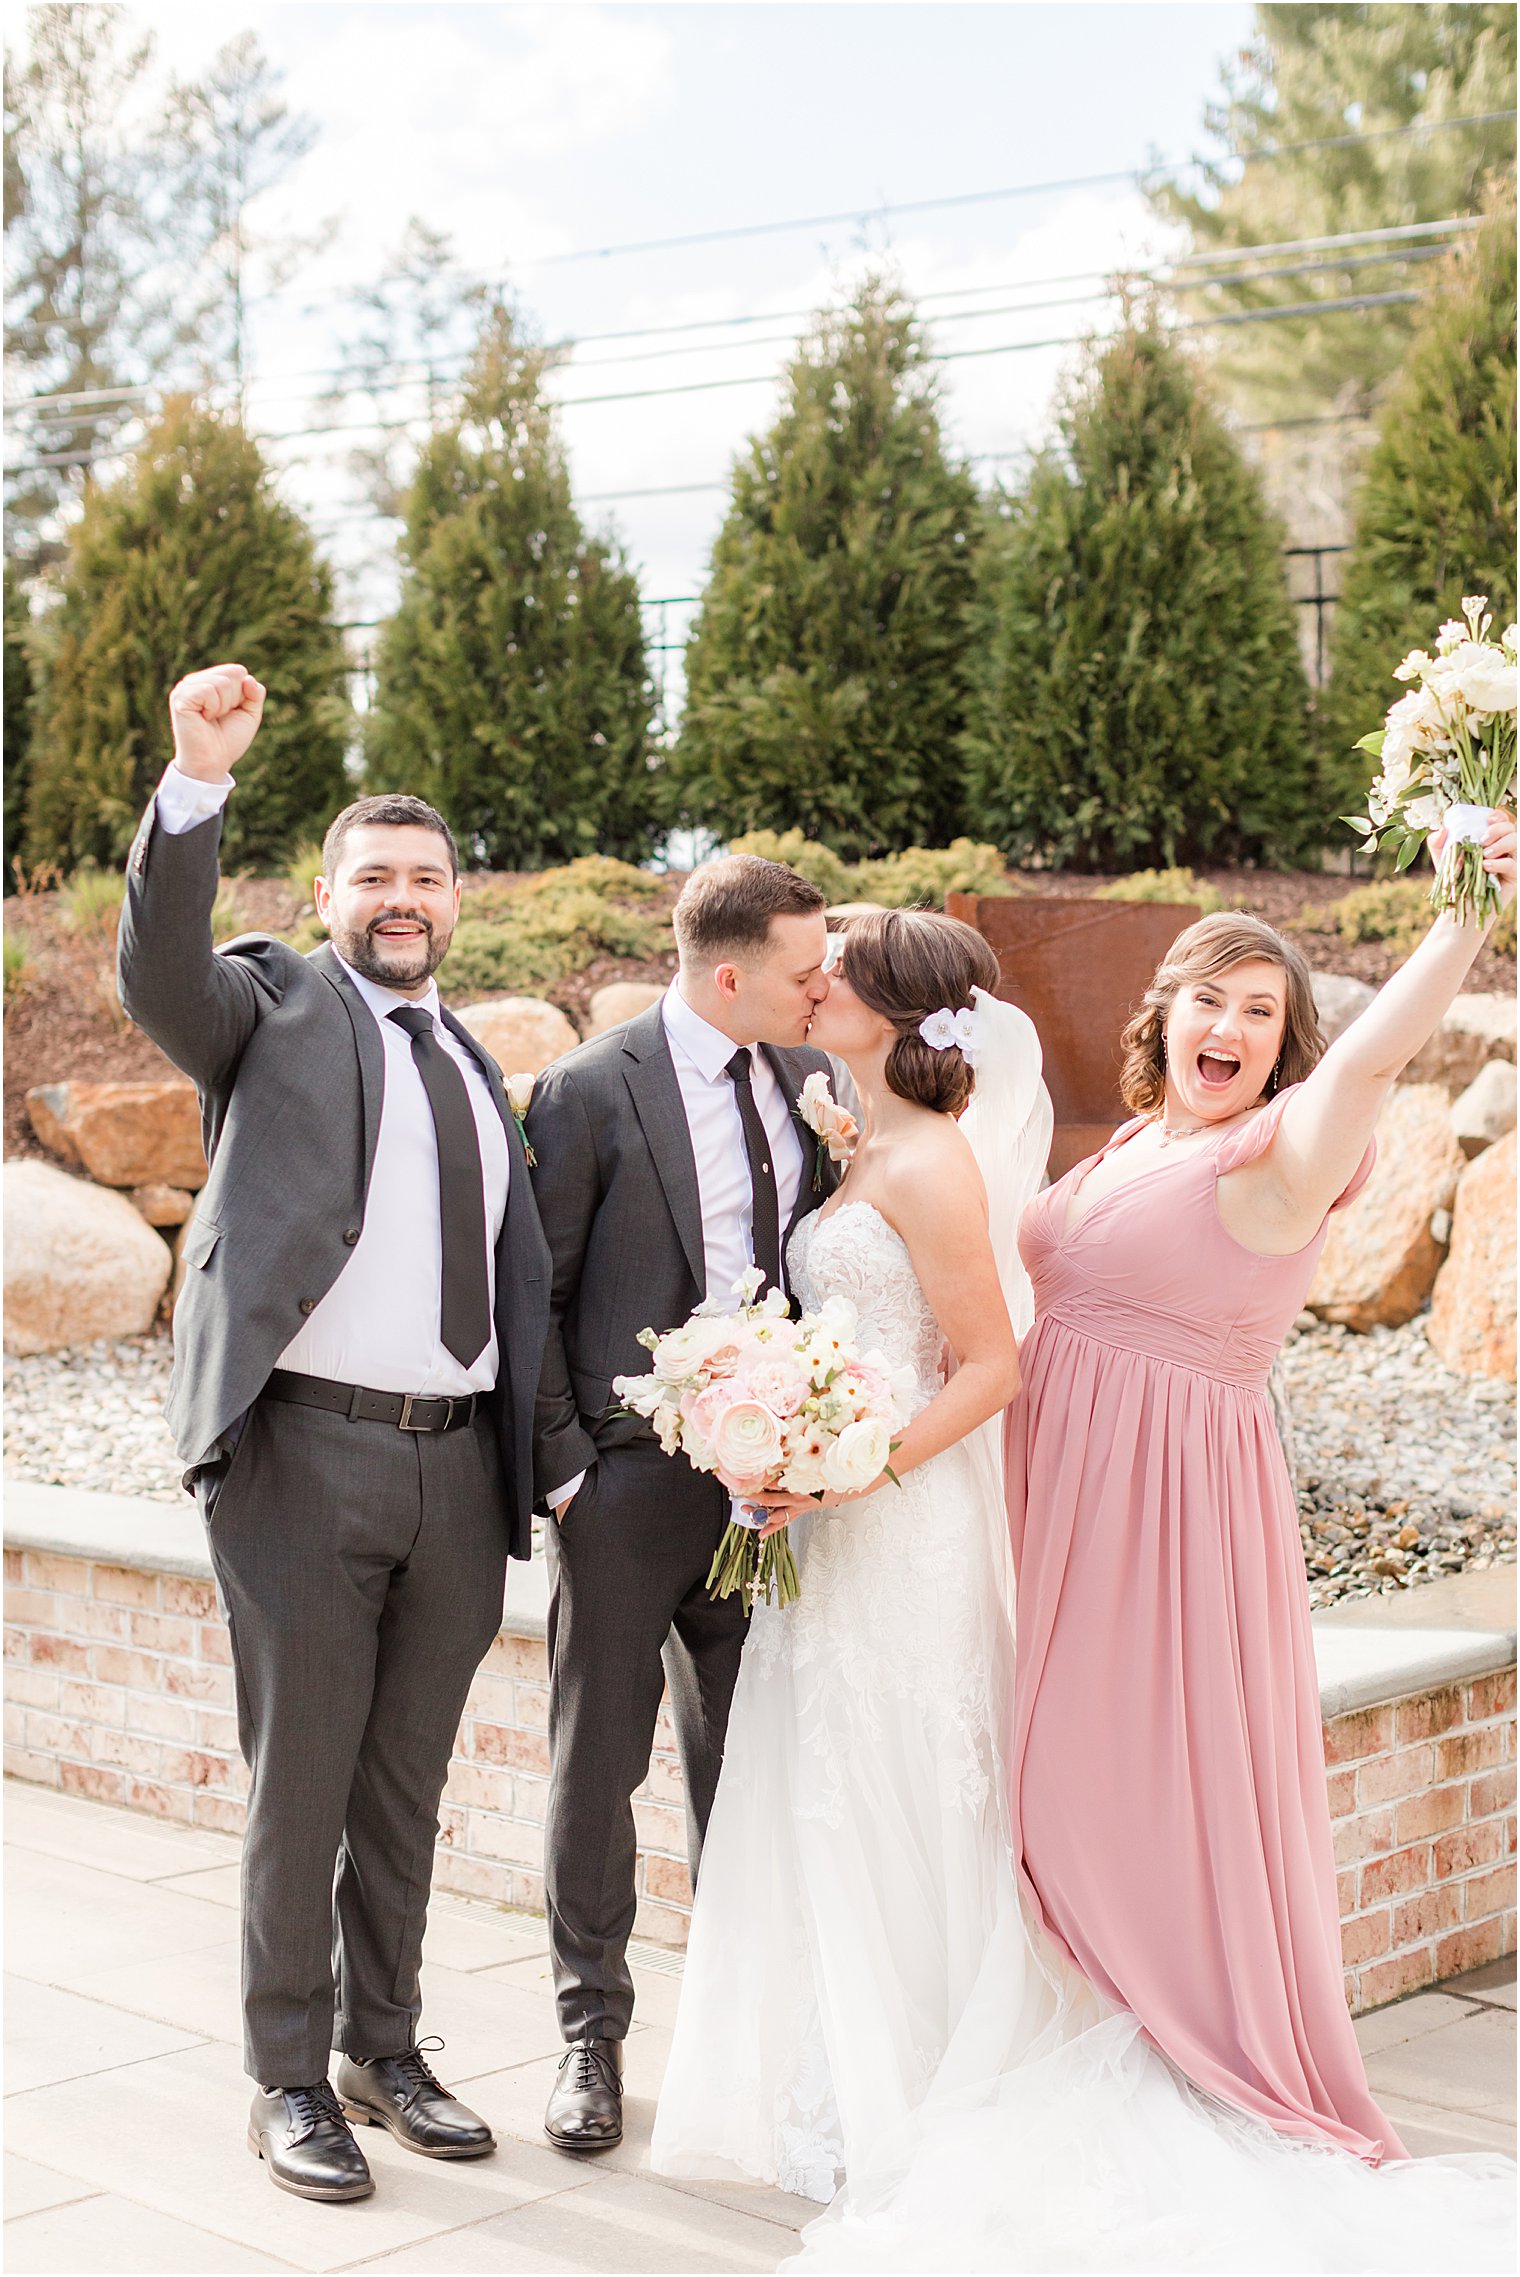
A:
x: 1168, y: 1783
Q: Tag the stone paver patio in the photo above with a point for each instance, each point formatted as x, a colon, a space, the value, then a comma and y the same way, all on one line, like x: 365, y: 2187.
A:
x: 126, y: 2102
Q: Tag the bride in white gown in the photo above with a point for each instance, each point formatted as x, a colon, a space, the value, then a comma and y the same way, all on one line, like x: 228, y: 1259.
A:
x: 862, y: 2000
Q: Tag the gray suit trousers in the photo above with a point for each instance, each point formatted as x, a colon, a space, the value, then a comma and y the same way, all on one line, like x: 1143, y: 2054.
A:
x: 628, y: 1574
x: 361, y: 1569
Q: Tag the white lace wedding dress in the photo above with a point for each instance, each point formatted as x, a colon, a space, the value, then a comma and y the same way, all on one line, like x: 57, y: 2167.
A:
x: 861, y: 1997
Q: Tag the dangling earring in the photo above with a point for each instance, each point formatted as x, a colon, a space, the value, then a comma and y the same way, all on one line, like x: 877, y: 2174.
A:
x: 1276, y: 1076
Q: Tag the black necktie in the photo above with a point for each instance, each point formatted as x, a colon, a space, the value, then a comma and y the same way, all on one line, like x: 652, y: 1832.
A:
x: 465, y: 1309
x: 762, y: 1174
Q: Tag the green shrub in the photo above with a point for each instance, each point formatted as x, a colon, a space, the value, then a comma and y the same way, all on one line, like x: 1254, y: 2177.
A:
x: 1163, y: 885
x: 516, y: 940
x: 302, y: 864
x: 91, y: 903
x: 20, y: 971
x: 920, y: 876
x: 1394, y: 910
x: 820, y: 865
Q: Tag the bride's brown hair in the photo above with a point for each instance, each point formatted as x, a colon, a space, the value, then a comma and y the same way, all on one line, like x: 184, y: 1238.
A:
x: 905, y: 964
x: 1211, y: 947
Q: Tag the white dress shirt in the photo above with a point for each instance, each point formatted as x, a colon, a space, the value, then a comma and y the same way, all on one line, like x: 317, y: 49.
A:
x: 378, y: 1324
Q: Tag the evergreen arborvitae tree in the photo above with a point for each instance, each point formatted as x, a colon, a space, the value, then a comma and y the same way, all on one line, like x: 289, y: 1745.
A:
x: 512, y: 686
x: 190, y: 560
x: 18, y: 715
x: 826, y: 673
x: 1436, y: 509
x: 1140, y: 699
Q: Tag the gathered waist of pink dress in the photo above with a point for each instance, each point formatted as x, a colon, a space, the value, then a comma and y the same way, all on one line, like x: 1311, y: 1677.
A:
x: 1242, y: 1357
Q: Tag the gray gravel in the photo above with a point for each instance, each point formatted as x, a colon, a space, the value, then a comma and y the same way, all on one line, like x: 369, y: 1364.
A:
x: 1405, y: 1471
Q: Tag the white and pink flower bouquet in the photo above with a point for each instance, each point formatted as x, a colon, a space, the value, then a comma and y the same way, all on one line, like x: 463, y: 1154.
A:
x: 1446, y: 759
x: 767, y: 1402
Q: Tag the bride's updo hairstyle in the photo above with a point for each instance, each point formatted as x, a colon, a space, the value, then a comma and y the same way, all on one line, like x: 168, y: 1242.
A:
x: 1213, y: 946
x: 905, y: 964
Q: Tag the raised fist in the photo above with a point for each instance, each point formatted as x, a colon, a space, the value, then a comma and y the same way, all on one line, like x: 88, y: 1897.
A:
x: 215, y: 715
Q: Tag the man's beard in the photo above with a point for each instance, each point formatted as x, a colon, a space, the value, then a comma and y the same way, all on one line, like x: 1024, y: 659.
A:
x: 418, y: 961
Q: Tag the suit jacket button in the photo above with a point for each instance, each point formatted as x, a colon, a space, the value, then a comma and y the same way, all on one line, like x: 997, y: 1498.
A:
x: 308, y: 1304
x: 350, y: 1236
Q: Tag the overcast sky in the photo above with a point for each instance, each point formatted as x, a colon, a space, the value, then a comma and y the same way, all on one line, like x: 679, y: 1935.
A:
x: 533, y: 133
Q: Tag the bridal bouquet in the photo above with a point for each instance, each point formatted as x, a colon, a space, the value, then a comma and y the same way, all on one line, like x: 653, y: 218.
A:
x: 764, y: 1401
x: 1446, y: 755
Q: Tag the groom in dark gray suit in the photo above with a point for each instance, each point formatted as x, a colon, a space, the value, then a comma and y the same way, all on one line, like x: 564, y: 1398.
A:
x: 671, y: 1157
x: 357, y: 1353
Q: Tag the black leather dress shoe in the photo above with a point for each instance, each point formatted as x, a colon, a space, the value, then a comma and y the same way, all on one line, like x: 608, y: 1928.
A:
x: 304, y: 2139
x: 586, y: 2109
x: 401, y: 2093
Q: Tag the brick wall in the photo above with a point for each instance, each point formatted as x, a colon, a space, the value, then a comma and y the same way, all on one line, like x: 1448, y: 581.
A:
x: 118, y: 1686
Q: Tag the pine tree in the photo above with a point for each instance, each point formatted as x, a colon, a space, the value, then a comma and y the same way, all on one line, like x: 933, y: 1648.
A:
x: 1140, y: 700
x: 1344, y: 80
x: 826, y: 673
x: 190, y: 560
x: 512, y: 686
x: 1436, y: 510
x: 18, y: 714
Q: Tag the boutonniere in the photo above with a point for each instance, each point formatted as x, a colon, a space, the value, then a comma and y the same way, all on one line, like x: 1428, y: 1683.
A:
x: 519, y: 1090
x: 833, y: 1126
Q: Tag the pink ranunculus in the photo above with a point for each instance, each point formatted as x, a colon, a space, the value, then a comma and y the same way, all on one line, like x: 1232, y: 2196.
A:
x: 779, y: 1383
x: 746, y: 1443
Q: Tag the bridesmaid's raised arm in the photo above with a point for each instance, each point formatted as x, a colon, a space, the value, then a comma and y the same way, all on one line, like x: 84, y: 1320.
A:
x: 1327, y: 1123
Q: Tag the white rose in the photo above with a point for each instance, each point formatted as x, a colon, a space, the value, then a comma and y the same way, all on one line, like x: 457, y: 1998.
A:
x: 682, y: 1352
x: 746, y: 1442
x: 519, y: 1090
x: 1484, y: 677
x: 858, y: 1456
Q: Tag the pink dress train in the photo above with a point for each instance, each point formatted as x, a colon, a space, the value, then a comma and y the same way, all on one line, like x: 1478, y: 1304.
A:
x: 1168, y: 1781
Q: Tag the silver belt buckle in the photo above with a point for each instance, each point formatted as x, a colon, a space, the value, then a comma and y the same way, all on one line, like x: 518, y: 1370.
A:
x: 409, y: 1400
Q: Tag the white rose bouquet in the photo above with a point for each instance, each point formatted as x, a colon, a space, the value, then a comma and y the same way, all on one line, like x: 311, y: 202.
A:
x: 764, y: 1401
x: 1446, y: 754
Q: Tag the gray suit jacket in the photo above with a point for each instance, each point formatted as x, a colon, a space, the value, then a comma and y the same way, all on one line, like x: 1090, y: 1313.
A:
x: 616, y: 1185
x: 291, y: 1072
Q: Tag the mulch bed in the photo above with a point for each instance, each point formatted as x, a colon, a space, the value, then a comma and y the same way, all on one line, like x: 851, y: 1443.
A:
x: 67, y: 1026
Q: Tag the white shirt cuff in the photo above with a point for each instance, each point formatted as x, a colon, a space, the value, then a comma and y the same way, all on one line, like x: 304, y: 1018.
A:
x: 566, y: 1493
x: 183, y: 801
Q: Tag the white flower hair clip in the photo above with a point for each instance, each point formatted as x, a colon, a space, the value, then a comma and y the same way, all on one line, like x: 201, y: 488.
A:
x: 945, y: 1031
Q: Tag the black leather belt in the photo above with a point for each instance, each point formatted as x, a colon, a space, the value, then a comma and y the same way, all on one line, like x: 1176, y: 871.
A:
x: 409, y: 1411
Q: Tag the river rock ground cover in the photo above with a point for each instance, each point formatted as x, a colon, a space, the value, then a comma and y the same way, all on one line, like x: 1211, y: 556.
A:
x: 1405, y: 1470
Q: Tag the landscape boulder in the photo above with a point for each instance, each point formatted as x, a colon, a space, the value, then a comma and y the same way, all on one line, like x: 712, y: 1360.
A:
x: 1477, y: 1029
x: 521, y: 1033
x: 1338, y: 999
x: 80, y: 1262
x: 1382, y: 1254
x: 123, y: 1134
x: 162, y: 1205
x: 1472, y: 1312
x: 1486, y: 1110
x: 620, y: 1001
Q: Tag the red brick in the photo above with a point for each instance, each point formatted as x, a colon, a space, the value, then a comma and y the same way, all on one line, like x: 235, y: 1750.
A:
x: 667, y: 1878
x: 139, y: 1671
x: 494, y: 1837
x: 194, y: 1767
x: 1427, y: 1914
x: 31, y: 1608
x: 197, y: 1680
x: 46, y: 1570
x: 522, y: 1750
x: 126, y: 1751
x: 1492, y: 1791
x: 1477, y: 1844
x: 56, y: 1735
x: 491, y: 1696
x: 1469, y: 1948
x: 15, y: 1724
x: 453, y: 1825
x: 533, y: 1707
x: 158, y: 1632
x: 1391, y: 1979
x: 1429, y: 1812
x: 477, y: 1786
x: 1468, y: 1751
x: 661, y: 1829
x: 36, y: 1688
x: 123, y: 1585
x: 96, y: 1703
x: 517, y: 1656
x: 15, y: 1565
x: 151, y: 1713
x: 530, y: 1799
x: 109, y: 1624
x: 1491, y: 1695
x: 1364, y: 1937
x: 61, y: 1652
x: 196, y: 1599
x: 220, y: 1811
x: 214, y: 1643
x: 1345, y: 1892
x: 93, y: 1779
x: 163, y: 1802
x: 1397, y: 1874
x: 215, y: 1729
x: 38, y: 1770
x: 664, y: 1785
x: 1368, y: 1732
x: 661, y: 1925
x: 1428, y: 1714
x: 1392, y: 1775
x: 1493, y: 1892
x: 1340, y: 1788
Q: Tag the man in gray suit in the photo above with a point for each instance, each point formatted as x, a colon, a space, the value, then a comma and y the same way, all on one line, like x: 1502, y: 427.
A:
x: 671, y: 1156
x: 357, y: 1350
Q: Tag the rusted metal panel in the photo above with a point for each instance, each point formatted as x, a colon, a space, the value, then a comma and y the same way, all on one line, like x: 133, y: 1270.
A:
x: 1079, y: 968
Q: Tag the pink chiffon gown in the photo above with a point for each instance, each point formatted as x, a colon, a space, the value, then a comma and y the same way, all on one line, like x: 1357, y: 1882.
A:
x: 1168, y: 1780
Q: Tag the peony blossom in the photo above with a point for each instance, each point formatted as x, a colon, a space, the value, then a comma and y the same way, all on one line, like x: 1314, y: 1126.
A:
x: 779, y: 1383
x: 1484, y: 677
